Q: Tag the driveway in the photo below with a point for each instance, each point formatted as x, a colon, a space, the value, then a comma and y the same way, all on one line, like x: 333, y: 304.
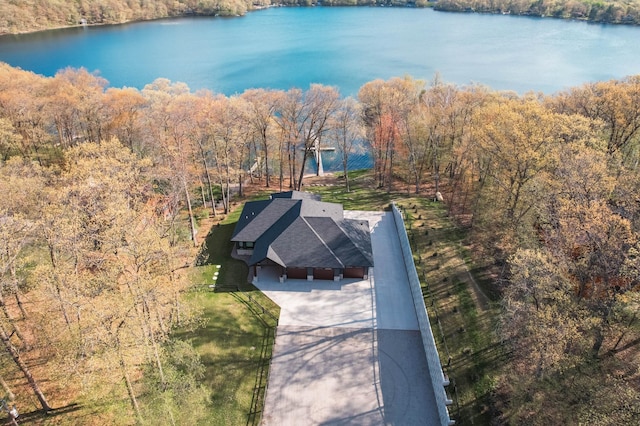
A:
x: 350, y: 352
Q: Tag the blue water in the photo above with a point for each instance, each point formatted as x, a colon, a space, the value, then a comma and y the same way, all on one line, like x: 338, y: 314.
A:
x: 332, y: 161
x: 280, y: 48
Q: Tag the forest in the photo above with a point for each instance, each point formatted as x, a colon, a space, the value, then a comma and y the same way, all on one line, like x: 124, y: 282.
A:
x: 22, y: 16
x: 610, y: 12
x: 99, y: 187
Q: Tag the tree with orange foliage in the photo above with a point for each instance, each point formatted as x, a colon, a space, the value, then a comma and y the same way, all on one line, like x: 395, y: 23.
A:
x: 387, y: 106
x: 23, y: 106
x: 123, y: 108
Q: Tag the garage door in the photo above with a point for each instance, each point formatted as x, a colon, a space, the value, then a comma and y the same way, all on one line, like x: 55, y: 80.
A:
x: 297, y: 273
x: 354, y: 272
x: 322, y: 273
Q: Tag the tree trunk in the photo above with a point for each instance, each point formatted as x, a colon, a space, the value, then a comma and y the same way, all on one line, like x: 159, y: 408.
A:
x: 24, y: 369
x: 156, y: 353
x: 224, y: 196
x: 204, y: 198
x: 598, y: 341
x: 208, y: 178
x: 292, y: 167
x: 127, y: 381
x: 390, y: 177
x: 16, y: 329
x: 16, y: 292
x: 58, y: 292
x: 266, y: 159
x: 436, y: 172
x: 7, y: 390
x: 304, y: 162
x: 192, y: 222
x: 345, y: 162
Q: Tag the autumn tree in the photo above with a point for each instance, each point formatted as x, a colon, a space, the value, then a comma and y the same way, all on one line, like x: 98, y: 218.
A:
x: 544, y: 326
x: 386, y: 109
x: 581, y: 274
x: 462, y: 165
x: 123, y: 108
x: 542, y: 316
x: 169, y: 123
x: 616, y: 103
x: 262, y: 109
x: 227, y: 139
x: 75, y: 102
x: 23, y: 110
x: 447, y: 112
x: 111, y: 271
x: 346, y: 131
x: 9, y: 139
x: 517, y: 142
x: 303, y: 119
x: 20, y: 183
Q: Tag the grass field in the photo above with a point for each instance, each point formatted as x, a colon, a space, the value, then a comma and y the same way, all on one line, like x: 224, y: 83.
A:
x: 461, y: 315
x: 236, y: 339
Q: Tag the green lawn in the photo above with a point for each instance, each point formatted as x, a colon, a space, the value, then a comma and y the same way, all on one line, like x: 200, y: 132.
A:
x: 230, y: 344
x: 360, y: 197
x: 236, y: 339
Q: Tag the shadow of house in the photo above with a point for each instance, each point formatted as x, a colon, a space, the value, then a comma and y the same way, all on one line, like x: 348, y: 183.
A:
x: 303, y: 238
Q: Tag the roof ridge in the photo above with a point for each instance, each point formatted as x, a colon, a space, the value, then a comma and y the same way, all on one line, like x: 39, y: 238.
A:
x: 322, y: 240
x: 355, y: 244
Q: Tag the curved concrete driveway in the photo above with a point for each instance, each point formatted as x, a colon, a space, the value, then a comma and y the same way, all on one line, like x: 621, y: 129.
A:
x: 350, y: 353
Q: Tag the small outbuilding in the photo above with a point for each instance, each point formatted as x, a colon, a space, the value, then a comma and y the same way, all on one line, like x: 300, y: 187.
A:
x: 303, y: 238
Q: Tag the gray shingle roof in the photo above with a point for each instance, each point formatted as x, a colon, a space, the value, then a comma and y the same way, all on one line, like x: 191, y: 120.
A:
x: 249, y: 212
x: 254, y: 225
x: 304, y: 232
x: 300, y: 246
x: 347, y: 239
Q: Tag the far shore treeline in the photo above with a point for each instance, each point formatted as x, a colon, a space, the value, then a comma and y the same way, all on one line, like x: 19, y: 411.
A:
x: 100, y: 190
x: 36, y: 15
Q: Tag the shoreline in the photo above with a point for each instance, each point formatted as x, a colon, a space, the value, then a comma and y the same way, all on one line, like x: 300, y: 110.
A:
x: 435, y: 6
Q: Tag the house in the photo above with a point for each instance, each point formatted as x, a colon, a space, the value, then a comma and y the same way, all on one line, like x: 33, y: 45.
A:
x: 302, y: 237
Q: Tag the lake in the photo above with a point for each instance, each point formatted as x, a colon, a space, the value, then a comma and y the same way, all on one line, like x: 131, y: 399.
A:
x: 280, y: 48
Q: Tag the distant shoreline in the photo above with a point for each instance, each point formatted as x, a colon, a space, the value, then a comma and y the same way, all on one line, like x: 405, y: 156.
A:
x: 222, y: 14
x: 463, y: 6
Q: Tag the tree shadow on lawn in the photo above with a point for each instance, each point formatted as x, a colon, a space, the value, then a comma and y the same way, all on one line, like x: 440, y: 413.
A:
x: 216, y: 250
x: 39, y: 415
